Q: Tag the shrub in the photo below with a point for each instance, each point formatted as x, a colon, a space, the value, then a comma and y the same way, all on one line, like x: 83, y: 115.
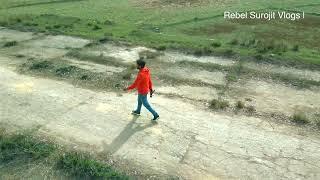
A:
x: 57, y: 26
x: 203, y: 51
x: 280, y: 48
x: 96, y: 27
x: 251, y: 109
x: 228, y: 52
x: 161, y: 48
x: 299, y: 118
x: 258, y: 57
x: 65, y: 71
x: 219, y: 104
x: 240, y: 105
x: 234, y: 42
x: 10, y: 44
x: 104, y: 40
x: 295, y: 48
x: 216, y: 44
x: 40, y: 65
x: 18, y: 20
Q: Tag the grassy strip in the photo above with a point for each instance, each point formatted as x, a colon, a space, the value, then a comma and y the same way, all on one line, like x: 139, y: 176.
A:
x: 23, y: 146
x: 82, y: 165
x: 27, y: 147
x: 61, y: 70
x: 237, y: 70
x: 192, y: 37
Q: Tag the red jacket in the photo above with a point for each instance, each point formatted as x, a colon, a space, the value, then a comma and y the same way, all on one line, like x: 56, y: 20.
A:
x: 143, y: 81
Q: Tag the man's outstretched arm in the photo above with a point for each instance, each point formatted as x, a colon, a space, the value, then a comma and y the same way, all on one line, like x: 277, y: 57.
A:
x: 135, y: 83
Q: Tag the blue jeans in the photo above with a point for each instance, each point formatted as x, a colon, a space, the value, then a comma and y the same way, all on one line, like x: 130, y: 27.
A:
x: 142, y: 99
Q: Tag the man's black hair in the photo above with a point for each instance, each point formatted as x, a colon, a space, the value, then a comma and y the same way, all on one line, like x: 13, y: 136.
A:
x: 141, y: 63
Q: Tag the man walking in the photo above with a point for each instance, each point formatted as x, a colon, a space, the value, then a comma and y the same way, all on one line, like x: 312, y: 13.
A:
x: 144, y: 85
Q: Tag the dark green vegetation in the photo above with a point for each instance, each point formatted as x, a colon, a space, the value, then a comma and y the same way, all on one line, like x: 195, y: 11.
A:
x: 219, y: 104
x: 10, y: 43
x: 199, y: 28
x: 36, y: 158
x: 240, y: 105
x: 82, y: 165
x: 299, y: 118
x: 60, y: 69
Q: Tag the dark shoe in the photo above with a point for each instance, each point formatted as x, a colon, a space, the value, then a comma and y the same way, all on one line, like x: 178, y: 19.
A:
x: 155, y: 118
x: 135, y: 113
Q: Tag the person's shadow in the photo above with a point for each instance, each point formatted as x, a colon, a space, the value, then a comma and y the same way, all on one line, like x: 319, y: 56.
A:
x: 126, y: 133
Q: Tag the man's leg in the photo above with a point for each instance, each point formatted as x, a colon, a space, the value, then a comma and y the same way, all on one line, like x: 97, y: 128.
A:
x: 147, y: 105
x: 138, y: 110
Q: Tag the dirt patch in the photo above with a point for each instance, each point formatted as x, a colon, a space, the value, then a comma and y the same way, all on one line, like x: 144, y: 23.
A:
x: 297, y: 73
x: 59, y: 42
x: 7, y: 35
x: 196, y: 93
x: 95, y: 67
x: 212, y: 78
x: 126, y: 54
x: 276, y: 98
x: 39, y: 52
x: 178, y: 57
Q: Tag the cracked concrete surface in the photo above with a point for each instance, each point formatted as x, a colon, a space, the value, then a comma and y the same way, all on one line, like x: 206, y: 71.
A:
x: 188, y: 141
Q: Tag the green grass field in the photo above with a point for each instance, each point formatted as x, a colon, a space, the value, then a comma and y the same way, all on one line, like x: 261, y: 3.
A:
x: 198, y: 27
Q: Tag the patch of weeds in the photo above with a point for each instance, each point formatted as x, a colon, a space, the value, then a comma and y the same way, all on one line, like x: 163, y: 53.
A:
x: 234, y: 72
x: 57, y: 26
x: 40, y: 65
x: 228, y: 52
x: 3, y: 23
x: 248, y: 99
x: 85, y: 77
x: 216, y: 44
x: 234, y: 42
x: 108, y: 22
x: 248, y: 43
x: 23, y: 146
x: 251, y: 109
x: 84, y: 166
x: 19, y: 55
x: 295, y: 48
x: 219, y: 104
x: 317, y: 120
x: 203, y: 51
x: 96, y: 27
x: 104, y: 40
x: 10, y: 44
x: 65, y: 71
x: 161, y: 47
x: 240, y: 105
x: 299, y: 118
x: 231, y: 77
x: 258, y: 57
